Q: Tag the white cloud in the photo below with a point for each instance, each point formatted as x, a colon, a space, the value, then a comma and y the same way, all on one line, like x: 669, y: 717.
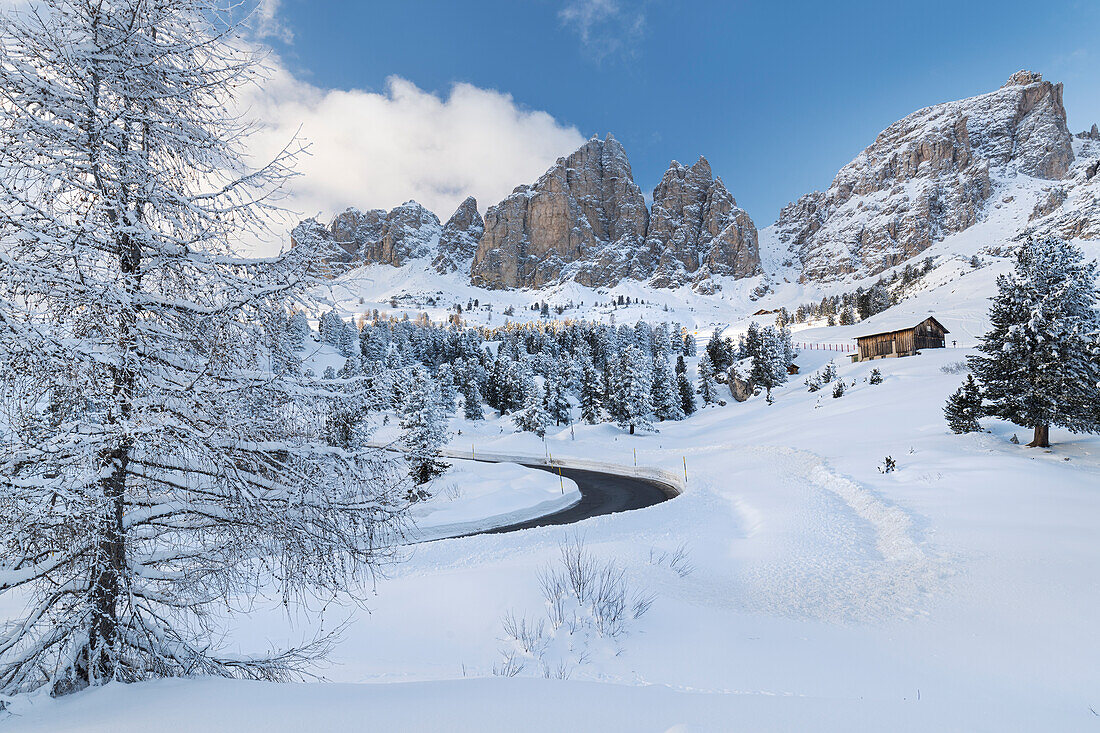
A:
x: 606, y: 27
x: 379, y: 149
x: 268, y: 24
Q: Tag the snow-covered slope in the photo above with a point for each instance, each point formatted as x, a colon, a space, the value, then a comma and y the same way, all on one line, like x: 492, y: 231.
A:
x: 813, y: 591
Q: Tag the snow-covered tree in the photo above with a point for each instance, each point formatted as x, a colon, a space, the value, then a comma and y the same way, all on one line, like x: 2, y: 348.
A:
x: 634, y: 387
x: 298, y: 329
x: 770, y: 362
x: 665, y: 394
x: 1038, y: 366
x: 533, y: 418
x: 154, y: 468
x: 689, y: 344
x: 445, y: 380
x: 555, y: 399
x: 423, y: 427
x: 471, y: 391
x: 719, y: 350
x: 590, y: 393
x: 687, y: 394
x: 964, y: 407
x: 708, y: 388
x: 331, y: 328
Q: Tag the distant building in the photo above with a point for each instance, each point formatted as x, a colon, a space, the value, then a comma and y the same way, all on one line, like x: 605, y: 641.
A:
x: 899, y: 338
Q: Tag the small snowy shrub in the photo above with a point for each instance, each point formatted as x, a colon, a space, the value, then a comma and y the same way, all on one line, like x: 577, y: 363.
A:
x: 675, y: 560
x: 889, y: 465
x: 876, y: 376
x: 589, y: 605
x: 838, y: 390
x: 955, y: 367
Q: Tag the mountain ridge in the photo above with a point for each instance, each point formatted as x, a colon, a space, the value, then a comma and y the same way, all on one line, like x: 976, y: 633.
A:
x: 932, y: 173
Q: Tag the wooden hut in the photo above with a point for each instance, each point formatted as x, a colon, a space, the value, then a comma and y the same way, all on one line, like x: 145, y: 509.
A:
x: 899, y: 338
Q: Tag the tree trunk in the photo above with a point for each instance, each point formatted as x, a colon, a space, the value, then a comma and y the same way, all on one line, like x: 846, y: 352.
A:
x: 107, y: 573
x: 1042, y: 436
x: 631, y: 428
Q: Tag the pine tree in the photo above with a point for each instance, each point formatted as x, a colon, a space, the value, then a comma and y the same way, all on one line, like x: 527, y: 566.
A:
x: 1039, y: 367
x: 665, y: 394
x: 681, y: 366
x: 687, y: 394
x: 635, y: 387
x: 423, y: 428
x: 555, y: 400
x: 708, y: 388
x: 876, y: 376
x: 689, y: 344
x: 533, y: 417
x: 445, y: 379
x: 718, y: 350
x: 590, y: 391
x: 964, y: 407
x: 155, y: 470
x: 769, y: 367
x: 471, y: 392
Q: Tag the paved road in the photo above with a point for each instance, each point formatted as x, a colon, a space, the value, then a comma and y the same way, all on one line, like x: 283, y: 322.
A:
x: 601, y: 493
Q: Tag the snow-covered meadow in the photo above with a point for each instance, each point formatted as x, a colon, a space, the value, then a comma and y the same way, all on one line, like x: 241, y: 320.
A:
x: 794, y: 584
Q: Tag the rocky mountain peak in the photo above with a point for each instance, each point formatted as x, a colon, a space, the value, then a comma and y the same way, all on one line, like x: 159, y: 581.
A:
x: 458, y: 241
x: 696, y: 229
x: 926, y: 176
x: 1023, y: 77
x: 583, y: 219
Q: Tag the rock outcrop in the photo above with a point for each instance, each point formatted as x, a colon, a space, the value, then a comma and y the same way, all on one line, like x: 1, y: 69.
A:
x: 926, y: 176
x: 459, y: 238
x: 375, y: 236
x: 697, y: 230
x: 584, y: 218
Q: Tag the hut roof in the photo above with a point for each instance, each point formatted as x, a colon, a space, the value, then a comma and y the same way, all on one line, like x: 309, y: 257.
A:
x: 894, y: 323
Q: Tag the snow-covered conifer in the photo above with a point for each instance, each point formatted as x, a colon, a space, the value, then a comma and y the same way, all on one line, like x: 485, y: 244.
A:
x: 665, y: 394
x: 635, y: 386
x: 555, y: 399
x: 533, y: 418
x: 1038, y: 366
x: 591, y: 393
x: 423, y: 427
x: 708, y: 388
x: 964, y: 407
x: 687, y: 394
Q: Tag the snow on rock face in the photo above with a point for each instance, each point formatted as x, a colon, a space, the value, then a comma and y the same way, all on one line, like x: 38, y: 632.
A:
x: 926, y: 176
x: 459, y: 238
x: 374, y: 236
x: 696, y: 229
x: 586, y: 220
x: 585, y: 214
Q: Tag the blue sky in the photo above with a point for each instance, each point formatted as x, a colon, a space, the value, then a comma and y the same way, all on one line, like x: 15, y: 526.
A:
x: 777, y: 96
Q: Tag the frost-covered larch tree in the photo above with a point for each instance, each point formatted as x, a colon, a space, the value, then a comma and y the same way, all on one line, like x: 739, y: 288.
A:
x: 1039, y: 366
x: 156, y: 466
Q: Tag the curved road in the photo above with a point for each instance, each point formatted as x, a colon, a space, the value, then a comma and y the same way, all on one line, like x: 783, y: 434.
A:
x: 601, y: 493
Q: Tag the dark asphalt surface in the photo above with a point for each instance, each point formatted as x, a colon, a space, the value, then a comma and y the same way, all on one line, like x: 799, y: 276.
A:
x: 601, y: 493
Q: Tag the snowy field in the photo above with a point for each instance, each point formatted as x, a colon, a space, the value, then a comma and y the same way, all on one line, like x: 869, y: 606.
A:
x: 953, y: 593
x: 795, y: 585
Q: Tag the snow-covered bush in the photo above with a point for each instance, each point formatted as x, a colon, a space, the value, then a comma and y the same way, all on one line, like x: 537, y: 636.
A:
x: 589, y: 607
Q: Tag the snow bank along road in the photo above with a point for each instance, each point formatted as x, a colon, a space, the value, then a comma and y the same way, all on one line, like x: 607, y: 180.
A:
x: 602, y: 492
x: 606, y: 488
